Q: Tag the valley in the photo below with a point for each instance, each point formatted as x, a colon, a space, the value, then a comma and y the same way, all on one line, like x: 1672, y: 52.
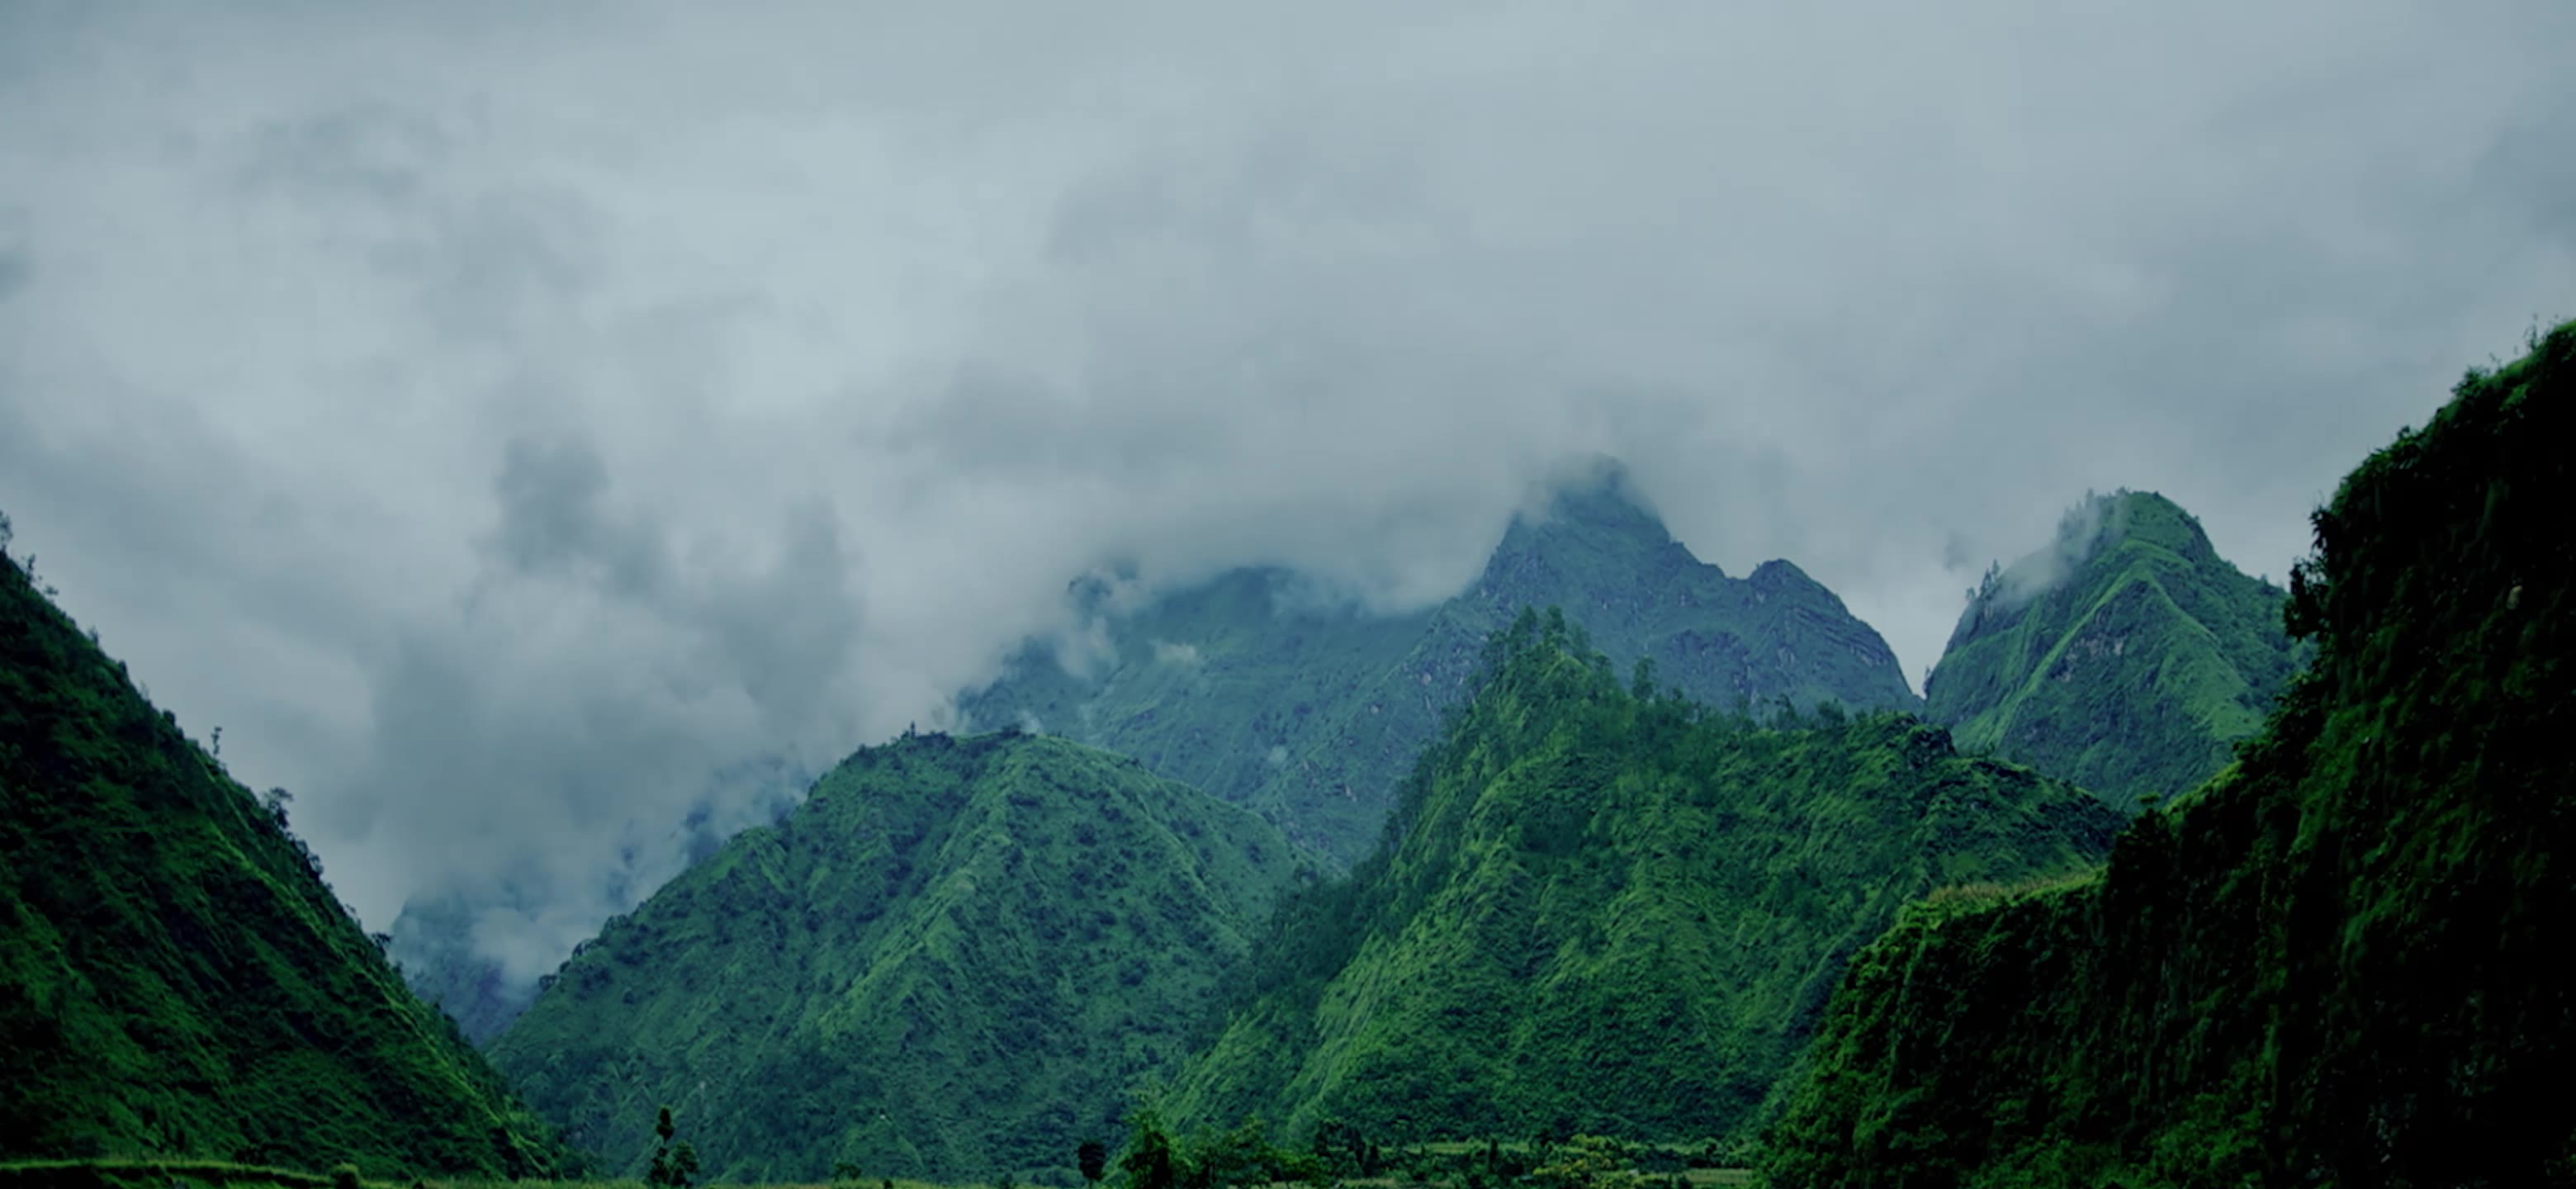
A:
x: 1610, y: 871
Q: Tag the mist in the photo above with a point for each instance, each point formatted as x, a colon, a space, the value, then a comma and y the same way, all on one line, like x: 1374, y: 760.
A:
x: 509, y: 423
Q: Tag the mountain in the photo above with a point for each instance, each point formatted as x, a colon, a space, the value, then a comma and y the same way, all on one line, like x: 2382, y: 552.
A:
x: 2126, y: 657
x: 1258, y: 689
x: 1612, y: 913
x: 1269, y: 692
x: 175, y: 978
x: 2338, y: 962
x: 955, y: 958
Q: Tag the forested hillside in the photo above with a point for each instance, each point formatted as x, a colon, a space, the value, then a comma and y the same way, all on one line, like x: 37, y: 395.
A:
x: 2337, y: 963
x: 175, y: 978
x: 955, y: 959
x: 1608, y: 909
x: 2126, y: 657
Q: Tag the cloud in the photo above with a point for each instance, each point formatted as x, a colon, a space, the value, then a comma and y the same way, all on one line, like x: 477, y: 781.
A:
x: 2079, y: 530
x: 505, y: 422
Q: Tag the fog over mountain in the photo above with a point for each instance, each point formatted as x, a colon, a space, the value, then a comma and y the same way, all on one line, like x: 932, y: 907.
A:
x: 522, y: 428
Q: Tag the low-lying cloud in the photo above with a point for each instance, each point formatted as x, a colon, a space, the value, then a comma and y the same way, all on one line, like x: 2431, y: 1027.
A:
x: 506, y: 422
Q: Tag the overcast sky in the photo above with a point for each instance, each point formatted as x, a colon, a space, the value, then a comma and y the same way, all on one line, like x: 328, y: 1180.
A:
x: 501, y: 418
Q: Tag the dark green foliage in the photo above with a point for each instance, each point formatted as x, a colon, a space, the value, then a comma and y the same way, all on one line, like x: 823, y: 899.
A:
x: 344, y: 1176
x: 1148, y: 1159
x: 673, y: 1166
x: 1242, y: 1158
x: 1092, y: 1159
x: 174, y: 976
x: 1264, y: 692
x: 2127, y: 657
x: 2337, y: 963
x: 955, y: 958
x: 1604, y: 913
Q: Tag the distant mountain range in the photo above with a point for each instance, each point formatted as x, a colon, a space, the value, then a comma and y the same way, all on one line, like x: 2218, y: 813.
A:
x: 1265, y: 692
x: 1311, y: 714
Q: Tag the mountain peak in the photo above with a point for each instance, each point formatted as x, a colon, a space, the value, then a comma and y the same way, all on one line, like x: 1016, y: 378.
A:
x: 2126, y: 626
x: 1599, y: 497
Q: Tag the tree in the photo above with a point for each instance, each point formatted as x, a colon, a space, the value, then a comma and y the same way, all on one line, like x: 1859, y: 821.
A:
x: 1092, y: 1157
x: 670, y: 1166
x: 1148, y: 1160
x: 1589, y: 1162
x: 1241, y: 1157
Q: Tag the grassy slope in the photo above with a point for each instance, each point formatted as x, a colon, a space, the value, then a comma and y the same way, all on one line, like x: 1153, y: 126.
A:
x: 2336, y: 963
x: 174, y: 976
x: 2134, y: 673
x: 1311, y: 714
x: 1610, y: 914
x: 955, y: 958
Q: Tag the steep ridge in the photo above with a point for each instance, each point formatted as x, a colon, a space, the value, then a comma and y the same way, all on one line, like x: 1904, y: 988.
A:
x: 954, y: 959
x: 1608, y: 909
x: 2336, y: 963
x: 2126, y: 657
x: 1310, y: 713
x: 174, y: 976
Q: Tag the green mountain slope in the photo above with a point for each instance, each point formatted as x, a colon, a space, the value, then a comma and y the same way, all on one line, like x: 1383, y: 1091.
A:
x: 174, y: 976
x: 1610, y: 913
x: 2127, y: 656
x: 955, y: 958
x: 2340, y: 961
x: 1310, y: 713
